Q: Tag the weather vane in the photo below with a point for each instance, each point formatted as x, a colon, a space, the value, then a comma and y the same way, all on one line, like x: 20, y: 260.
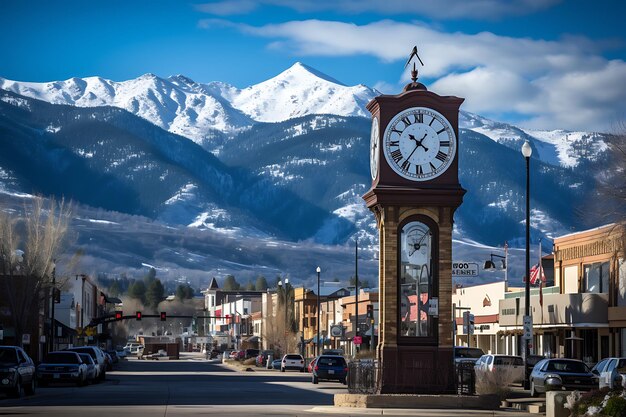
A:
x: 414, y: 70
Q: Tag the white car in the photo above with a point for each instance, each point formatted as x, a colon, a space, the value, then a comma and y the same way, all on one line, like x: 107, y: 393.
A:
x: 501, y: 363
x: 292, y: 361
x: 611, y: 372
x: 134, y: 348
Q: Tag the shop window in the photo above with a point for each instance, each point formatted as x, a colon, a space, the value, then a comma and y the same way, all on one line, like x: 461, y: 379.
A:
x: 596, y: 277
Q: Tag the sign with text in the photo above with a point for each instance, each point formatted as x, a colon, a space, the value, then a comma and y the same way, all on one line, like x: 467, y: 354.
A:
x: 528, y: 328
x: 357, y: 340
x: 464, y: 269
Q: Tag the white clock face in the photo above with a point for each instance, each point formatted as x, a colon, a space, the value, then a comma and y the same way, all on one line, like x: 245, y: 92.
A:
x: 374, y: 148
x: 419, y: 144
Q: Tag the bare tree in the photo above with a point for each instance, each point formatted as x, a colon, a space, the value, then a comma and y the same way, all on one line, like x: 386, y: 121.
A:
x: 278, y: 332
x: 611, y: 183
x: 29, y: 245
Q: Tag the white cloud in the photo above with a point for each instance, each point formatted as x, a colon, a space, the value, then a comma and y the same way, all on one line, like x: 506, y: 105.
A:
x: 551, y: 84
x: 228, y: 8
x: 440, y: 9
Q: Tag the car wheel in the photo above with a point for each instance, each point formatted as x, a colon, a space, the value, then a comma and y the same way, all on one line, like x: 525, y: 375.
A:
x: 533, y: 391
x: 282, y: 369
x: 16, y: 392
x: 103, y: 376
x: 302, y: 370
x: 30, y: 389
x: 343, y: 381
x: 315, y: 380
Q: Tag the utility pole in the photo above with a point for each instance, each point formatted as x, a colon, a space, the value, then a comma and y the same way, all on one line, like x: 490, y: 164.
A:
x: 356, y: 285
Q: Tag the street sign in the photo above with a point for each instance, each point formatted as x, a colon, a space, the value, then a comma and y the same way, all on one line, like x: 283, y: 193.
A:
x: 357, y: 340
x: 528, y: 328
x: 26, y: 339
x: 464, y: 269
x: 336, y: 331
x: 468, y: 323
x: 433, y: 307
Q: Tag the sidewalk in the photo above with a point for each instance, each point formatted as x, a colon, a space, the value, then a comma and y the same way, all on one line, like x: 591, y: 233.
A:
x: 350, y: 411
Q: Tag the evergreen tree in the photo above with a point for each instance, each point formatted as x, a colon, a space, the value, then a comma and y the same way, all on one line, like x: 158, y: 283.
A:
x: 250, y: 286
x: 261, y: 283
x: 150, y: 277
x: 114, y: 289
x: 137, y: 290
x: 230, y: 283
x: 189, y: 292
x: 154, y: 294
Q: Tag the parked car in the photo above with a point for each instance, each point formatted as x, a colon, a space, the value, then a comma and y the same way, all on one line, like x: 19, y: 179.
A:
x: 17, y: 371
x: 113, y: 355
x: 330, y: 367
x: 62, y: 366
x: 241, y: 355
x: 214, y: 353
x: 467, y: 354
x: 531, y: 361
x: 91, y: 367
x: 561, y: 374
x: 277, y: 364
x: 338, y: 352
x: 233, y: 355
x: 292, y: 361
x: 108, y: 360
x: 611, y: 372
x: 263, y: 356
x: 98, y: 357
x: 310, y: 366
x: 121, y: 353
x: 251, y: 353
x: 511, y: 365
x: 135, y: 349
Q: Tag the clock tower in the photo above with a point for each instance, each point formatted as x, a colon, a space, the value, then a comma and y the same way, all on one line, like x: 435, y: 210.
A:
x: 415, y: 191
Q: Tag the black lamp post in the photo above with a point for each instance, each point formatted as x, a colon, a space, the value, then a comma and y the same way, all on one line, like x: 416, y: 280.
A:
x: 317, y: 345
x: 527, y: 152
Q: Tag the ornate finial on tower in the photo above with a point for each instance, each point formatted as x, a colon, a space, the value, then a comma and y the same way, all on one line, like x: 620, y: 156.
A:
x: 414, y: 85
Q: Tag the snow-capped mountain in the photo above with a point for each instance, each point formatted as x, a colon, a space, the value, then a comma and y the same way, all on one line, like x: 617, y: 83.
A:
x: 260, y: 170
x: 300, y: 91
x: 195, y: 110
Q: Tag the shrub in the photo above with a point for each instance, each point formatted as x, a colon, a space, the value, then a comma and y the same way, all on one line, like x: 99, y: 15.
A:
x: 250, y: 361
x: 615, y: 407
x: 497, y: 382
x: 603, y: 402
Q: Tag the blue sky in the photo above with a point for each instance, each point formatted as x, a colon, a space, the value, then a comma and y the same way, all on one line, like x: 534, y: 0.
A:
x: 540, y: 63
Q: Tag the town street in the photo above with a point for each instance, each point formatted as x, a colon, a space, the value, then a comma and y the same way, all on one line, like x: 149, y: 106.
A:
x: 190, y: 386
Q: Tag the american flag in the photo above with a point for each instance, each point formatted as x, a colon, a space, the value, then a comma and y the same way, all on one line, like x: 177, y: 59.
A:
x: 535, y: 272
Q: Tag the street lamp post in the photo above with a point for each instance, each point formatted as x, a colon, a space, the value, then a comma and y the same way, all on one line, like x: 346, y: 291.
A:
x: 527, y: 152
x: 317, y: 345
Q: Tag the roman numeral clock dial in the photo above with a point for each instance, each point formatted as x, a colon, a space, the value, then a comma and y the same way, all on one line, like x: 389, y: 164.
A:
x: 419, y: 144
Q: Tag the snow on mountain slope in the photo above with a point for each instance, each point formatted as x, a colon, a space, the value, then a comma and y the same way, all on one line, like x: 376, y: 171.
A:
x: 557, y: 147
x: 177, y: 104
x: 300, y: 91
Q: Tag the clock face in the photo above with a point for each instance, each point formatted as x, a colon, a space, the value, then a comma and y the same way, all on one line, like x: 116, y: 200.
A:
x: 374, y: 148
x: 416, y: 244
x: 419, y: 144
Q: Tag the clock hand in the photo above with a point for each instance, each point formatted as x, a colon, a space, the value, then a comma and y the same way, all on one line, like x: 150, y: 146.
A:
x: 419, y: 143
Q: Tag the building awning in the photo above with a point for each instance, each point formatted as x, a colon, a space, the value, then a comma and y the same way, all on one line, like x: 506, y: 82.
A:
x: 252, y: 339
x: 65, y: 331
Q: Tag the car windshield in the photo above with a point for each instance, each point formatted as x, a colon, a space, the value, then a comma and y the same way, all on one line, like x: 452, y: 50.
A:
x: 473, y: 353
x: 567, y: 367
x: 294, y: 357
x: 8, y: 356
x: 328, y: 361
x: 62, y: 357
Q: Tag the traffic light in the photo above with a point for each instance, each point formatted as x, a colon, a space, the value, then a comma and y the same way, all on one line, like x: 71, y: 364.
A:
x: 138, y: 315
x: 118, y: 315
x: 163, y: 316
x: 370, y: 311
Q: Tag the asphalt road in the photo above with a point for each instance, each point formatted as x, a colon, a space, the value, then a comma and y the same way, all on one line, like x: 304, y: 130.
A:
x: 188, y: 386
